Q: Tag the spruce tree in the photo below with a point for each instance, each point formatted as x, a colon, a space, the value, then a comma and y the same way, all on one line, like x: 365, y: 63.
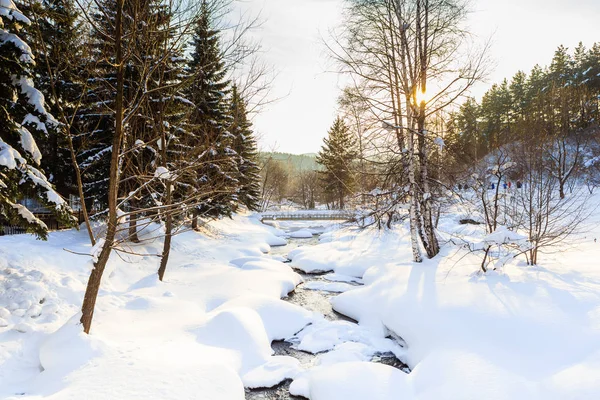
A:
x: 55, y: 39
x: 24, y: 120
x: 211, y: 139
x: 247, y: 153
x: 95, y: 120
x: 337, y: 156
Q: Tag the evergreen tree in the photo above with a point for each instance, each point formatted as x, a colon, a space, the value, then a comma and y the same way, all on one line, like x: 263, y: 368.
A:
x: 337, y: 156
x: 247, y: 153
x: 55, y: 38
x: 24, y: 119
x: 211, y: 139
x: 95, y: 118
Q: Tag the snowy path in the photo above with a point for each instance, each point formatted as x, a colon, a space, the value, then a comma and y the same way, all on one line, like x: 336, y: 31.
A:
x: 334, y: 339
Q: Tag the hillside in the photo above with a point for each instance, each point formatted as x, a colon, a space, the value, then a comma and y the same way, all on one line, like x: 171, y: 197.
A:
x: 297, y: 162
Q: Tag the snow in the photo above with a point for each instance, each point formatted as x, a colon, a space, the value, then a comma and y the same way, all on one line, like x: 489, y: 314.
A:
x: 521, y: 333
x: 29, y: 145
x: 9, y: 9
x: 162, y: 173
x: 28, y: 215
x: 281, y: 320
x: 526, y: 332
x: 354, y: 380
x: 323, y: 335
x: 203, y: 333
x: 9, y: 157
x: 342, y: 278
x: 337, y: 287
x: 302, y: 234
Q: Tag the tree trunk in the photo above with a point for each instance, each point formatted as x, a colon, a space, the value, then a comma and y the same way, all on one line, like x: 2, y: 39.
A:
x: 133, y: 234
x: 432, y: 246
x: 414, y: 218
x: 195, y: 220
x: 168, y: 235
x: 93, y: 286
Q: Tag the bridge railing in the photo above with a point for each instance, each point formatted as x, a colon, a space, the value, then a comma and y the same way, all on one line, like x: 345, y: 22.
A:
x: 308, y: 215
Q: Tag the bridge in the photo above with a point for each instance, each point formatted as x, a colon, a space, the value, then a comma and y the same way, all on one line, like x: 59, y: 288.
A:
x: 344, y: 215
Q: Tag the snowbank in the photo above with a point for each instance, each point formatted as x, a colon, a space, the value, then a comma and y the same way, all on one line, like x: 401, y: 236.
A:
x: 202, y: 333
x: 302, y: 234
x: 353, y: 380
x: 522, y: 333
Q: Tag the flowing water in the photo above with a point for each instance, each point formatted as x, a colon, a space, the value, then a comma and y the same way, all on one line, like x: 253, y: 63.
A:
x: 313, y: 300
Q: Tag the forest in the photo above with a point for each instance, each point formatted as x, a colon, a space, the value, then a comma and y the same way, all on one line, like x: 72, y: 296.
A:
x: 437, y: 244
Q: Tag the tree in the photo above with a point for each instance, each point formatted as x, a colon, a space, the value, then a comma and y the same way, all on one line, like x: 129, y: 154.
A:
x: 25, y: 120
x: 244, y: 144
x: 275, y: 181
x: 411, y: 55
x: 337, y: 156
x: 210, y: 135
x: 55, y: 39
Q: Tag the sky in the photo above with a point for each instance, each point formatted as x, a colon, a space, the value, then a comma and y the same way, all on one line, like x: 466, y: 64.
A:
x: 522, y: 32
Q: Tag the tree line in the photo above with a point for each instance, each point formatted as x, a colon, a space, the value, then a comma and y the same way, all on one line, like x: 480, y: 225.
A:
x: 137, y: 108
x: 410, y: 139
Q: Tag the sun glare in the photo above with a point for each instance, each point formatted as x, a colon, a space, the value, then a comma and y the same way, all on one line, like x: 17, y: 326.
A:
x: 421, y: 97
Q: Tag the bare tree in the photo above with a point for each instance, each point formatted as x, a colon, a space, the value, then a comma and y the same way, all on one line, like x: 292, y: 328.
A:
x: 411, y: 55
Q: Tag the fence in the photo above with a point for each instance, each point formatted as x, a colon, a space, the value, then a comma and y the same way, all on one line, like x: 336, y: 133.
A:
x: 49, y: 219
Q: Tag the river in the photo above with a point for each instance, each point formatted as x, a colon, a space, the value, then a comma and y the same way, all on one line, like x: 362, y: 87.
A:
x: 313, y: 300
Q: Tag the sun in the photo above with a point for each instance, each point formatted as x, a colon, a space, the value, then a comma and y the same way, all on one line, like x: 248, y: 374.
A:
x: 421, y: 97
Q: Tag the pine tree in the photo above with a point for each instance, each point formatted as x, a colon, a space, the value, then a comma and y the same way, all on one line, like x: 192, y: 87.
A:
x: 247, y: 153
x: 95, y: 118
x: 337, y: 156
x: 24, y: 119
x: 210, y: 119
x: 55, y: 38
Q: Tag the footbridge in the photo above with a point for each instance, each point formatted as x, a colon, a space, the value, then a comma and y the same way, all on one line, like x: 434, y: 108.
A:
x: 342, y: 215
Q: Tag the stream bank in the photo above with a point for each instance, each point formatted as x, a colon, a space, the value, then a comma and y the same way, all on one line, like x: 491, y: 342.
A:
x: 316, y: 300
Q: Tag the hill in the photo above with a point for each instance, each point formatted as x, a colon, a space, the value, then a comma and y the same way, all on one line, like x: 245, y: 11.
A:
x: 296, y: 162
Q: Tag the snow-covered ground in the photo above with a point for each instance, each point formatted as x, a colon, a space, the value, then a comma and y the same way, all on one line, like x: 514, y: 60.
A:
x: 518, y: 333
x: 205, y: 333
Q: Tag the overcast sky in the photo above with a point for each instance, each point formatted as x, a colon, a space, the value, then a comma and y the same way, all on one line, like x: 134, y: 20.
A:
x: 524, y: 33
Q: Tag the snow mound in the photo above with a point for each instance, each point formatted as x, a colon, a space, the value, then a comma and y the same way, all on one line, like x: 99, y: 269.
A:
x: 353, y: 380
x: 281, y: 319
x: 69, y: 348
x: 240, y: 330
x: 273, y: 240
x: 302, y: 234
x: 239, y: 262
x: 273, y: 372
x: 325, y: 335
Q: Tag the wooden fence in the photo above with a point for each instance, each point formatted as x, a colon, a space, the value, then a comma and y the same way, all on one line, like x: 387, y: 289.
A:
x: 48, y: 219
